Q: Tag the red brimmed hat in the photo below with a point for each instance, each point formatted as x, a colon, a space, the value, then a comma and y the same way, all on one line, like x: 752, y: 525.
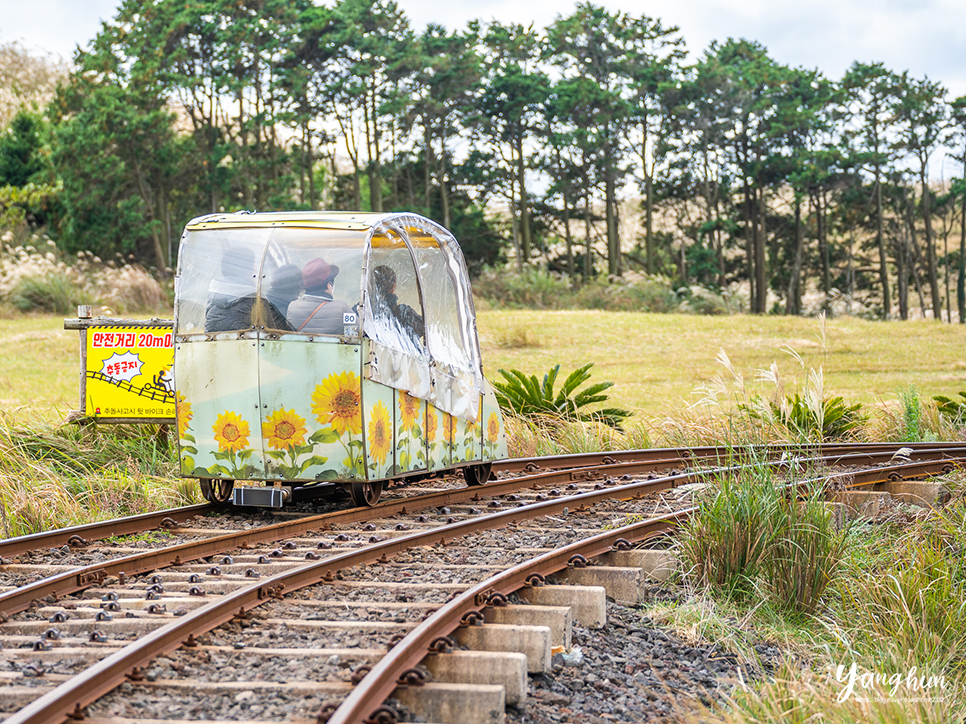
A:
x: 318, y: 272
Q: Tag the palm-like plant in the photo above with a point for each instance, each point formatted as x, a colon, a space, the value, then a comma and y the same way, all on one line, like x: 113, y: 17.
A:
x: 527, y: 396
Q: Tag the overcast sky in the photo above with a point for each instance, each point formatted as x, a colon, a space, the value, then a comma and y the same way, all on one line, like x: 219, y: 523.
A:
x: 925, y: 37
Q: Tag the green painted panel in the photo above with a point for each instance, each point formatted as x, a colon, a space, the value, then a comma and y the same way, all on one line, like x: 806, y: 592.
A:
x: 410, y: 433
x: 469, y: 441
x: 311, y: 423
x: 494, y: 433
x: 379, y: 429
x: 216, y: 385
x: 436, y: 445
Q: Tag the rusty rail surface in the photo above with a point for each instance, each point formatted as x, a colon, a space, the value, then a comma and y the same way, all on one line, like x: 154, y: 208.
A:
x: 69, y: 582
x: 81, y: 534
x: 379, y: 683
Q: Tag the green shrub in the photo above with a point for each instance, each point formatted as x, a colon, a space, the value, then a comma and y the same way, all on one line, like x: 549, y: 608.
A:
x: 53, y: 292
x: 830, y: 418
x: 750, y: 532
x: 528, y: 397
x: 955, y: 409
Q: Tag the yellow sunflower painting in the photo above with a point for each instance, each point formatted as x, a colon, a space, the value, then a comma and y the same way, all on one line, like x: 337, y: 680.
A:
x: 284, y: 429
x: 231, y: 432
x: 449, y: 427
x: 408, y: 409
x: 493, y: 427
x: 380, y: 433
x: 338, y: 402
x: 431, y: 424
x: 183, y: 414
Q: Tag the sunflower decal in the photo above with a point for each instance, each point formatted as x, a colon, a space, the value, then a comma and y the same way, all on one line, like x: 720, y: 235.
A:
x: 231, y: 432
x: 449, y: 428
x: 408, y: 409
x: 493, y: 427
x: 409, y: 433
x: 338, y: 402
x: 284, y: 429
x: 182, y: 412
x: 431, y: 424
x: 380, y: 433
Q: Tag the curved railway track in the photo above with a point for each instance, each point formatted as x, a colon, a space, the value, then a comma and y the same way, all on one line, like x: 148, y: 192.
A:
x: 131, y: 610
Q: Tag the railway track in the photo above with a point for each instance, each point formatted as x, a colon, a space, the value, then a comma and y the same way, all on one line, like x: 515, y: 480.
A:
x: 376, y: 587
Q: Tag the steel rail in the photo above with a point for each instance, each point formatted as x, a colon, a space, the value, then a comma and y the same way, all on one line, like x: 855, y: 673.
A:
x: 157, y: 520
x: 70, y: 697
x: 380, y: 682
x: 69, y: 582
x: 533, y: 464
x: 92, y: 531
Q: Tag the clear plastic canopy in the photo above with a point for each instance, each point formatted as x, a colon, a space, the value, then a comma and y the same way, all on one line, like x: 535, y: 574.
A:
x: 399, y: 280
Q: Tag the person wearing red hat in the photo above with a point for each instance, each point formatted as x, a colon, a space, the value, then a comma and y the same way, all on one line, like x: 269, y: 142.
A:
x: 317, y: 312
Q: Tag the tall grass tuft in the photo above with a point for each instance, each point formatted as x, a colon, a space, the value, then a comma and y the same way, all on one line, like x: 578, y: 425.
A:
x: 795, y: 696
x: 805, y: 553
x: 51, y: 477
x: 751, y: 533
x: 725, y: 542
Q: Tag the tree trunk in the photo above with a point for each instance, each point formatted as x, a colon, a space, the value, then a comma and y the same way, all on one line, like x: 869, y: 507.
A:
x: 443, y: 190
x: 761, y: 267
x: 794, y: 304
x: 903, y: 281
x: 880, y: 243
x: 937, y: 303
x: 375, y: 160
x: 613, y: 243
x: 961, y: 281
x: 749, y: 247
x: 524, y: 203
x: 588, y: 257
x: 649, y: 201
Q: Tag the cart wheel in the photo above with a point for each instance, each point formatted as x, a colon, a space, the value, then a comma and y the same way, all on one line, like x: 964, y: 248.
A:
x: 477, y: 474
x: 365, y: 493
x: 217, y: 490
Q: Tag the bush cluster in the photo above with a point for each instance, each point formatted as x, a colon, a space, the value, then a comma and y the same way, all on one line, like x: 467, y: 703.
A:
x: 36, y: 277
x: 539, y: 289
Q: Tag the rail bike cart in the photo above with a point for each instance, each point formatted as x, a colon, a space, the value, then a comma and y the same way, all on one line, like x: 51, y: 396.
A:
x: 327, y: 348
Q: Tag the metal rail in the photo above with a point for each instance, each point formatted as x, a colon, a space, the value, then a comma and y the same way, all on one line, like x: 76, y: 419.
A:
x: 668, y: 457
x: 81, y: 535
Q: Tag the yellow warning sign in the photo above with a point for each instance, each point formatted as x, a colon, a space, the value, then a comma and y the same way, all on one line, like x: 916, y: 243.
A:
x: 129, y: 372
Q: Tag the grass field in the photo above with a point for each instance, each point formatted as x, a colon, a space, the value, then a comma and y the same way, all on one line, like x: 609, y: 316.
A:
x: 656, y: 360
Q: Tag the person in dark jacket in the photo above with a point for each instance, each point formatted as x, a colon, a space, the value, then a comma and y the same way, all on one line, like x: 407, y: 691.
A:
x: 284, y: 288
x: 385, y: 301
x: 317, y: 312
x: 231, y: 298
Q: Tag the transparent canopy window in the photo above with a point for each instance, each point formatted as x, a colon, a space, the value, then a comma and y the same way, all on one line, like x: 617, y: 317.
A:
x: 231, y: 280
x: 394, y: 307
